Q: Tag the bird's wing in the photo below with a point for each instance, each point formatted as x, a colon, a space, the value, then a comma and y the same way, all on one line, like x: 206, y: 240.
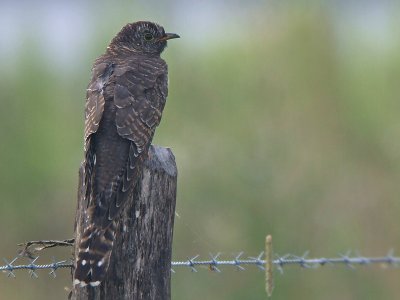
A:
x: 140, y: 92
x: 94, y: 108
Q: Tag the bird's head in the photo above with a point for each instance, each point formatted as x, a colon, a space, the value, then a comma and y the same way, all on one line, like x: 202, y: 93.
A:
x: 143, y: 37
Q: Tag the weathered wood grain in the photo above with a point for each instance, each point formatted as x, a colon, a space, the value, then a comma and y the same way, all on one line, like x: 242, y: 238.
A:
x: 141, y: 259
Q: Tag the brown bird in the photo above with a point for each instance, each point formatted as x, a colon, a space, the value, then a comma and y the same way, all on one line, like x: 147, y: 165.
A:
x: 124, y: 103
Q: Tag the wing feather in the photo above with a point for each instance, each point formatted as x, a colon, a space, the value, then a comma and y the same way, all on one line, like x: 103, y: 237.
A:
x: 140, y: 93
x: 94, y: 107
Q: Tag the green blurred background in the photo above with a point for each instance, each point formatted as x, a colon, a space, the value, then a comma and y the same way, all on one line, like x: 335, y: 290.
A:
x: 284, y: 117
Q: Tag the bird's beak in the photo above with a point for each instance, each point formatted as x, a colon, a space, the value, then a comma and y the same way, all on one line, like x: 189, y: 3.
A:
x: 169, y: 36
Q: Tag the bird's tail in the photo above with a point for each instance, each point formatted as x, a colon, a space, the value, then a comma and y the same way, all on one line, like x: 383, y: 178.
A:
x: 94, y: 254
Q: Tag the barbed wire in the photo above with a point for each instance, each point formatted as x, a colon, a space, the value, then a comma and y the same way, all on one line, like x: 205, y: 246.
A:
x: 10, y: 267
x: 264, y: 261
x: 215, y: 262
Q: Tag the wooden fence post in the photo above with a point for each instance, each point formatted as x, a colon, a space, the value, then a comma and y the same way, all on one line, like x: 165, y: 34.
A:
x: 140, y: 265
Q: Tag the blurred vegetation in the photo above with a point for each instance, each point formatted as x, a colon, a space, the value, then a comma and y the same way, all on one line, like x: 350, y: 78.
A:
x: 290, y: 129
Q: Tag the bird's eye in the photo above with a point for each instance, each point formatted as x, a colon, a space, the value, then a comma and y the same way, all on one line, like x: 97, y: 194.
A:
x: 148, y: 36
